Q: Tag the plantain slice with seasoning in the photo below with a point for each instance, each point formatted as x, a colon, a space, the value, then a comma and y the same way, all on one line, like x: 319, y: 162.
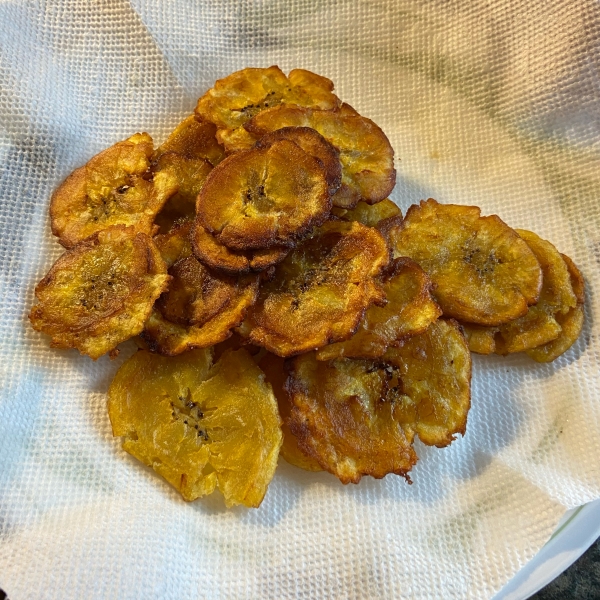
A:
x: 410, y: 310
x: 238, y: 97
x: 115, y: 187
x: 540, y: 324
x: 201, y: 307
x: 274, y: 369
x: 189, y: 154
x: 200, y: 426
x: 345, y: 416
x: 571, y: 322
x: 264, y: 197
x: 359, y: 417
x: 366, y: 154
x: 483, y: 271
x: 100, y: 292
x: 210, y: 252
x: 320, y: 291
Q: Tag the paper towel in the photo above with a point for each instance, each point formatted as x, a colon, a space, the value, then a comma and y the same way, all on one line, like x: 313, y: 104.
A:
x: 489, y: 102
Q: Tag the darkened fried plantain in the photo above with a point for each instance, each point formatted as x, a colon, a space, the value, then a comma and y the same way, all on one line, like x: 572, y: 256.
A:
x: 571, y: 322
x: 189, y: 154
x: 435, y: 370
x: 539, y: 325
x: 320, y: 291
x: 264, y: 197
x: 366, y: 154
x: 483, y: 271
x: 359, y: 417
x: 345, y: 415
x: 199, y: 426
x: 410, y: 309
x: 215, y: 255
x: 200, y: 307
x: 99, y: 293
x: 243, y: 94
x: 314, y: 144
x: 114, y: 188
x: 273, y: 368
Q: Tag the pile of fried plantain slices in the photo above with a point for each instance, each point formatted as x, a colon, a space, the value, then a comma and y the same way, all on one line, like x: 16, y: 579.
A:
x: 281, y: 302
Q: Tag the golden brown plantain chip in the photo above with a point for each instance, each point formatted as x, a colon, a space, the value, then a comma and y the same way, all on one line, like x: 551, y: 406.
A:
x: 320, y: 291
x: 273, y: 368
x: 410, y: 310
x: 194, y: 138
x: 215, y: 255
x: 345, y: 415
x: 571, y: 322
x: 366, y: 154
x: 483, y: 271
x: 243, y: 94
x: 370, y: 215
x: 359, y: 417
x: 435, y: 370
x: 199, y: 426
x: 200, y: 307
x: 540, y: 325
x: 264, y: 197
x: 114, y: 188
x: 314, y: 144
x: 99, y: 293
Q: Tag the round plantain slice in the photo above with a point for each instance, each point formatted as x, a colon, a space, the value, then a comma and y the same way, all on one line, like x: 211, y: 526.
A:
x: 410, y: 310
x: 199, y: 426
x: 209, y: 251
x: 274, y: 369
x: 99, y: 293
x: 264, y: 197
x: 345, y: 414
x: 571, y: 322
x: 314, y: 144
x: 540, y: 325
x: 366, y: 154
x: 114, y: 188
x: 241, y: 95
x: 370, y: 215
x: 320, y: 291
x: 483, y: 271
x: 435, y: 370
x: 200, y: 307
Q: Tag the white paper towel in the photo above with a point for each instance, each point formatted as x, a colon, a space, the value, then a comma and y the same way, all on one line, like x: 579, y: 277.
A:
x: 488, y: 102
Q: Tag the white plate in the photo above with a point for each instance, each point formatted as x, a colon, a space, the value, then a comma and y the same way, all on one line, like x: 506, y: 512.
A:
x: 576, y: 532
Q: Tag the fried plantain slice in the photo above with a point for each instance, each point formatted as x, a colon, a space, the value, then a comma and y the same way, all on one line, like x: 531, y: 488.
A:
x: 540, y: 324
x: 194, y: 138
x: 370, y: 215
x: 410, y: 310
x: 571, y: 322
x: 241, y: 95
x: 200, y: 307
x: 199, y: 426
x: 274, y: 369
x: 114, y: 188
x: 345, y: 414
x: 483, y: 271
x: 366, y: 154
x: 264, y: 197
x: 209, y: 251
x: 99, y: 293
x: 435, y: 370
x: 314, y: 144
x: 320, y: 291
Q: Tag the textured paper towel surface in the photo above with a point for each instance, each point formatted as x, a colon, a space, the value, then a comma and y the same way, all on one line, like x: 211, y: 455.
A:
x: 494, y: 103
